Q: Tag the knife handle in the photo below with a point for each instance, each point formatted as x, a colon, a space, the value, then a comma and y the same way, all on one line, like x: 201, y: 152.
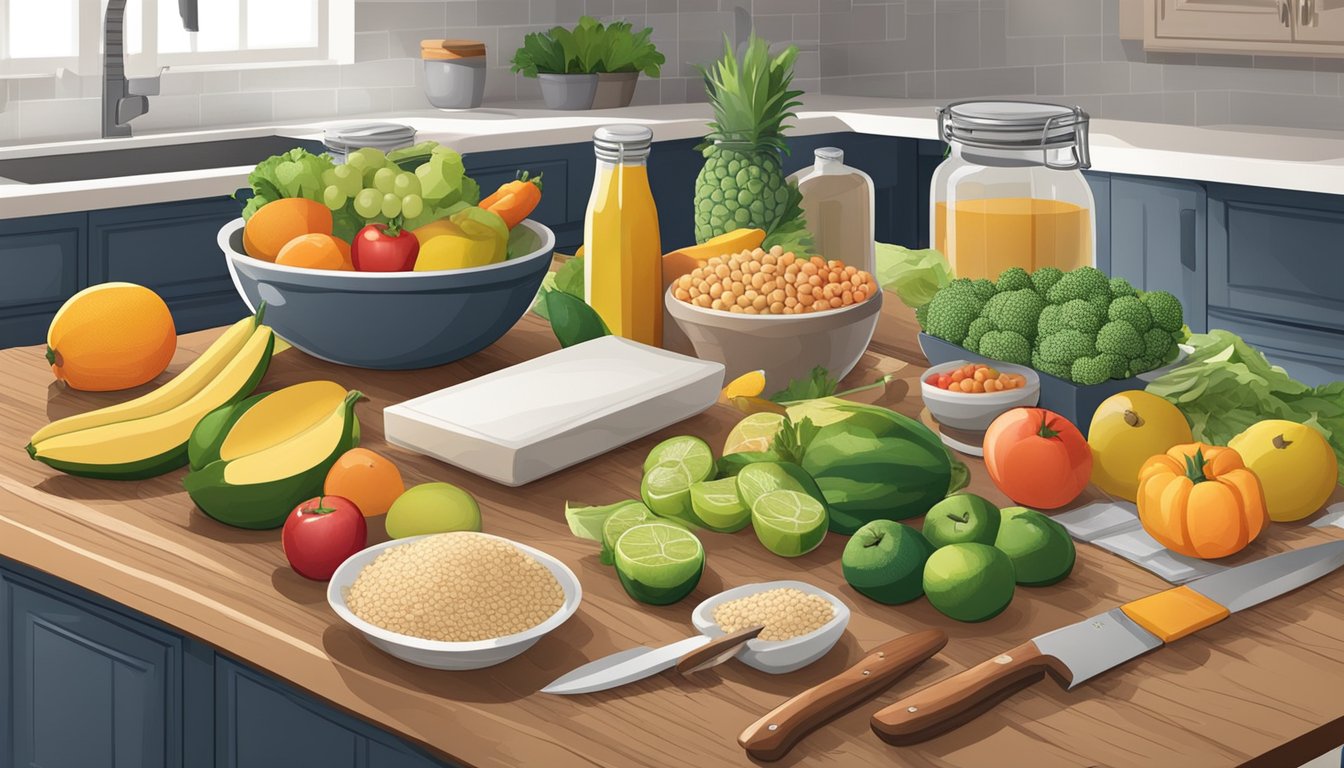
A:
x: 964, y: 696
x: 692, y: 661
x: 771, y: 737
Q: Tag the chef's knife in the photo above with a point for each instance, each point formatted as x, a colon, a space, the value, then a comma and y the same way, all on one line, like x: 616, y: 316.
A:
x: 638, y: 663
x: 1081, y: 651
x: 771, y: 737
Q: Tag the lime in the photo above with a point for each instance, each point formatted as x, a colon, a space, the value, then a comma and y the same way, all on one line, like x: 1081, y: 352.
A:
x: 1040, y: 548
x: 659, y: 563
x: 718, y: 507
x: 969, y: 581
x: 754, y: 433
x: 672, y: 467
x: 626, y: 516
x: 756, y: 480
x: 789, y: 523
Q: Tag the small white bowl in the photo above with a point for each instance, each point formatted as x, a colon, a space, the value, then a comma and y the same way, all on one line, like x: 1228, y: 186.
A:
x: 444, y: 655
x: 778, y: 656
x: 975, y: 411
x: 786, y: 347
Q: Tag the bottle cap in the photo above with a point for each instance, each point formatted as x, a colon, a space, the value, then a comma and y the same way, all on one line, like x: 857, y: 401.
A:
x: 626, y: 141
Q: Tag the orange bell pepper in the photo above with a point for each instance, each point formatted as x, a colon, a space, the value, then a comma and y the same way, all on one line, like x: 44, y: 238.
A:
x: 1201, y: 501
x: 515, y: 200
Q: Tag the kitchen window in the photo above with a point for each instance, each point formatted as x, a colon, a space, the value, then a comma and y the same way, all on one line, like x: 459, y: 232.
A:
x: 42, y: 36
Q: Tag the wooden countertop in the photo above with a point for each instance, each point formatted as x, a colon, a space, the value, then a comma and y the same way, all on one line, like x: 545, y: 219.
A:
x: 1262, y: 687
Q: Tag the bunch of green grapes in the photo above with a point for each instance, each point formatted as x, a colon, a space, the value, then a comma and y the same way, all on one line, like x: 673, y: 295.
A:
x: 377, y: 186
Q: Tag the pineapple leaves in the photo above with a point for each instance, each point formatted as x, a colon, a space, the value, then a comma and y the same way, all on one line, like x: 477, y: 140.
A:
x: 750, y: 95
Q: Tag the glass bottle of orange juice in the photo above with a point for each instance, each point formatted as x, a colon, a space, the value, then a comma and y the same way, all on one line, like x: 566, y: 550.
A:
x: 622, y: 270
x: 1012, y: 193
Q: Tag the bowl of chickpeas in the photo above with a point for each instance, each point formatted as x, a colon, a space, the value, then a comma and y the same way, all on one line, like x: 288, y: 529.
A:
x: 968, y: 395
x: 772, y: 311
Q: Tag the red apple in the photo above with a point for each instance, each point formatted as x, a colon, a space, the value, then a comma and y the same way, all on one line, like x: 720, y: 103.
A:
x: 321, y: 533
x: 384, y: 248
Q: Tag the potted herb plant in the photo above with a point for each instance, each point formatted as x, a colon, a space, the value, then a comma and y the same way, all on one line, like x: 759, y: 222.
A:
x: 590, y: 66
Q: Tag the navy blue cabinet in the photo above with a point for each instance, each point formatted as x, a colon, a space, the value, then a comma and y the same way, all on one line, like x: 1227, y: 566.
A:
x: 1157, y: 240
x: 44, y: 262
x: 87, y: 683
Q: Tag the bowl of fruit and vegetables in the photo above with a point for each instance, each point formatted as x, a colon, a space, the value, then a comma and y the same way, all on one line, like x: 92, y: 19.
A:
x: 390, y: 261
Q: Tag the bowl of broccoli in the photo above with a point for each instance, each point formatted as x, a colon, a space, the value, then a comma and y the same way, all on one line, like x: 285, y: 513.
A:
x: 1088, y: 335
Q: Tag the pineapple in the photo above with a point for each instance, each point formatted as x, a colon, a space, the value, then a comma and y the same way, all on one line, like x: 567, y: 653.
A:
x: 742, y: 183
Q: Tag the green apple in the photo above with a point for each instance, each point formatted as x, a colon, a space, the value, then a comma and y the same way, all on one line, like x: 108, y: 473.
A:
x: 1040, y: 548
x: 884, y: 561
x: 962, y: 518
x: 969, y: 582
x: 432, y: 508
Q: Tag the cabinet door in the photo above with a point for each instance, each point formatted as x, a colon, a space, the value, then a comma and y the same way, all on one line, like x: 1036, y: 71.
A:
x: 564, y: 193
x: 172, y: 249
x: 1157, y: 233
x: 42, y: 260
x: 1257, y: 20
x: 1320, y: 21
x: 87, y: 688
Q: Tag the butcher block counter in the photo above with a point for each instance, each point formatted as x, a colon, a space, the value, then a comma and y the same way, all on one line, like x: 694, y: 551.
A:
x: 1261, y: 688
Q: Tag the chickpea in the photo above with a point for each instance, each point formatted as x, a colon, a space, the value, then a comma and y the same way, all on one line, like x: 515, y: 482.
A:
x: 758, y: 281
x: 776, y: 282
x: 808, y: 268
x: 702, y: 300
x: 836, y: 303
x: 777, y: 308
x: 716, y: 290
x: 760, y: 302
x: 682, y: 294
x: 744, y: 301
x: 728, y: 298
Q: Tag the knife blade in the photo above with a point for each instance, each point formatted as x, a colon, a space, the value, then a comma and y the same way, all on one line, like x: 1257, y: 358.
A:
x: 1081, y: 651
x: 624, y: 667
x: 771, y: 737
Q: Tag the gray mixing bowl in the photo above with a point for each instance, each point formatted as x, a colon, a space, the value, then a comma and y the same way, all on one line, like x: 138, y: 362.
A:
x: 393, y: 320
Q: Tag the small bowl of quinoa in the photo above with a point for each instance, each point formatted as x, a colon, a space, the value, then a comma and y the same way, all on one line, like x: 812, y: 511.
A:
x: 458, y: 600
x: 802, y: 622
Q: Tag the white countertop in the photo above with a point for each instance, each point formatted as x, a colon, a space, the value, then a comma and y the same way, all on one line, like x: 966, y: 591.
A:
x: 1310, y: 161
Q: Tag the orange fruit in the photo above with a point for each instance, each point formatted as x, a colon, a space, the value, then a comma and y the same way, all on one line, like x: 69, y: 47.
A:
x: 314, y: 251
x: 279, y: 221
x: 369, y: 479
x: 347, y: 263
x: 111, y: 336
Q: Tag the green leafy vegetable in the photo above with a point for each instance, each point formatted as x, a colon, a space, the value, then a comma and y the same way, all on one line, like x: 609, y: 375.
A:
x: 590, y: 46
x: 914, y: 275
x: 1226, y: 385
x: 628, y: 51
x: 567, y: 279
x: 296, y: 173
x: 817, y: 384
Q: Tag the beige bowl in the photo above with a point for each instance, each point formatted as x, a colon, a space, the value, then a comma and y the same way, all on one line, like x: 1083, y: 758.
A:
x: 786, y: 347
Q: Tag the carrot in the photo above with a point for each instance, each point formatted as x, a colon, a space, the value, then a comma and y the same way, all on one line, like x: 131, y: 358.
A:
x: 515, y: 200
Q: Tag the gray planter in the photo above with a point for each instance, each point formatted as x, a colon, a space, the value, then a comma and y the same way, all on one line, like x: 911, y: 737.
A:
x: 615, y: 89
x: 571, y: 92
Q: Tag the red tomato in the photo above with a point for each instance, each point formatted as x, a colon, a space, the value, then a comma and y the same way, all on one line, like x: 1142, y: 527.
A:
x: 321, y: 533
x: 376, y: 249
x: 1037, y: 458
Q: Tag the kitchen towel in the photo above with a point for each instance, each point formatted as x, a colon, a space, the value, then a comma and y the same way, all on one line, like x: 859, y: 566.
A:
x: 1114, y: 526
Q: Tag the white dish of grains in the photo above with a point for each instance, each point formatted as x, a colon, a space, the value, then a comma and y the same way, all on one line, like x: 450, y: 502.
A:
x: 750, y: 604
x: 387, y: 583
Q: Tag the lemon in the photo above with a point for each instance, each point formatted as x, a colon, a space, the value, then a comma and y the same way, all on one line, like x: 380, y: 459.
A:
x: 753, y: 433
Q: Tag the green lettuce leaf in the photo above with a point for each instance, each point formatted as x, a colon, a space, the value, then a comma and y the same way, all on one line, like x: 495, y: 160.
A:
x: 567, y: 279
x: 915, y: 276
x: 296, y: 173
x: 818, y: 384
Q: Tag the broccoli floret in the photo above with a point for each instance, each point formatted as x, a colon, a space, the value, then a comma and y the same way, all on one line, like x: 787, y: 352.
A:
x: 1045, y: 366
x: 1016, y: 311
x: 1128, y: 309
x: 1081, y: 283
x: 1051, y: 320
x: 1101, y: 302
x: 984, y: 289
x: 922, y: 317
x: 1121, y: 287
x: 951, y: 312
x: 1143, y: 364
x: 1045, y: 278
x: 1118, y: 365
x: 979, y: 326
x: 1090, y: 370
x: 1120, y: 338
x: 1007, y: 346
x: 1157, y: 344
x: 1014, y: 279
x: 1066, y: 346
x: 1081, y: 316
x: 1165, y: 309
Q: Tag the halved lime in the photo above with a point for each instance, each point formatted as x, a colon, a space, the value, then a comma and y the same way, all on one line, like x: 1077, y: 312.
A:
x: 789, y: 523
x: 756, y: 480
x: 659, y: 563
x: 754, y: 433
x: 626, y: 516
x: 672, y: 467
x: 718, y: 507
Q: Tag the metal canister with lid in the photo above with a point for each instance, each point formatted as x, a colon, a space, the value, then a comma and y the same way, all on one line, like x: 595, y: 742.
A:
x: 1012, y: 192
x: 454, y: 73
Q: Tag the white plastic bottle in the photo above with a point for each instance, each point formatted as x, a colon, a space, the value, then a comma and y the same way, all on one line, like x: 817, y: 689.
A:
x: 838, y: 206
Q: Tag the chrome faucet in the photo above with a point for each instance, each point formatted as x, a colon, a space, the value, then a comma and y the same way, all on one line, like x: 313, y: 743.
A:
x: 125, y: 99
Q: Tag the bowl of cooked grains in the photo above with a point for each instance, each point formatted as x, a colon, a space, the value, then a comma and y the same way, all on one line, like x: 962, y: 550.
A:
x: 770, y: 311
x: 802, y: 622
x: 454, y: 600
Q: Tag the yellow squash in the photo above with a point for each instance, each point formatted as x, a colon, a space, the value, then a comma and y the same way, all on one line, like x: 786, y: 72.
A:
x: 1126, y: 430
x: 1296, y: 466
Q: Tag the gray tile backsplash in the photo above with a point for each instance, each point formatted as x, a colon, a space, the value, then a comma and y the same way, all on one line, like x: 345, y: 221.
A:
x: 1061, y: 50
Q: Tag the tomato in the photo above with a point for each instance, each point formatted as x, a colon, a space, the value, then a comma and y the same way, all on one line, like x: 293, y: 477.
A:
x: 1037, y: 458
x: 381, y: 248
x: 321, y: 533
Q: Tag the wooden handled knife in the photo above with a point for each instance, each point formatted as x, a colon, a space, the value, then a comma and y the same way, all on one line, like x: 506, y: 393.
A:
x: 1081, y: 651
x: 771, y: 737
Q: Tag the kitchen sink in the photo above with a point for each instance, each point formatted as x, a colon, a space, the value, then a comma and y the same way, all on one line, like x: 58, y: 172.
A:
x: 136, y: 161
